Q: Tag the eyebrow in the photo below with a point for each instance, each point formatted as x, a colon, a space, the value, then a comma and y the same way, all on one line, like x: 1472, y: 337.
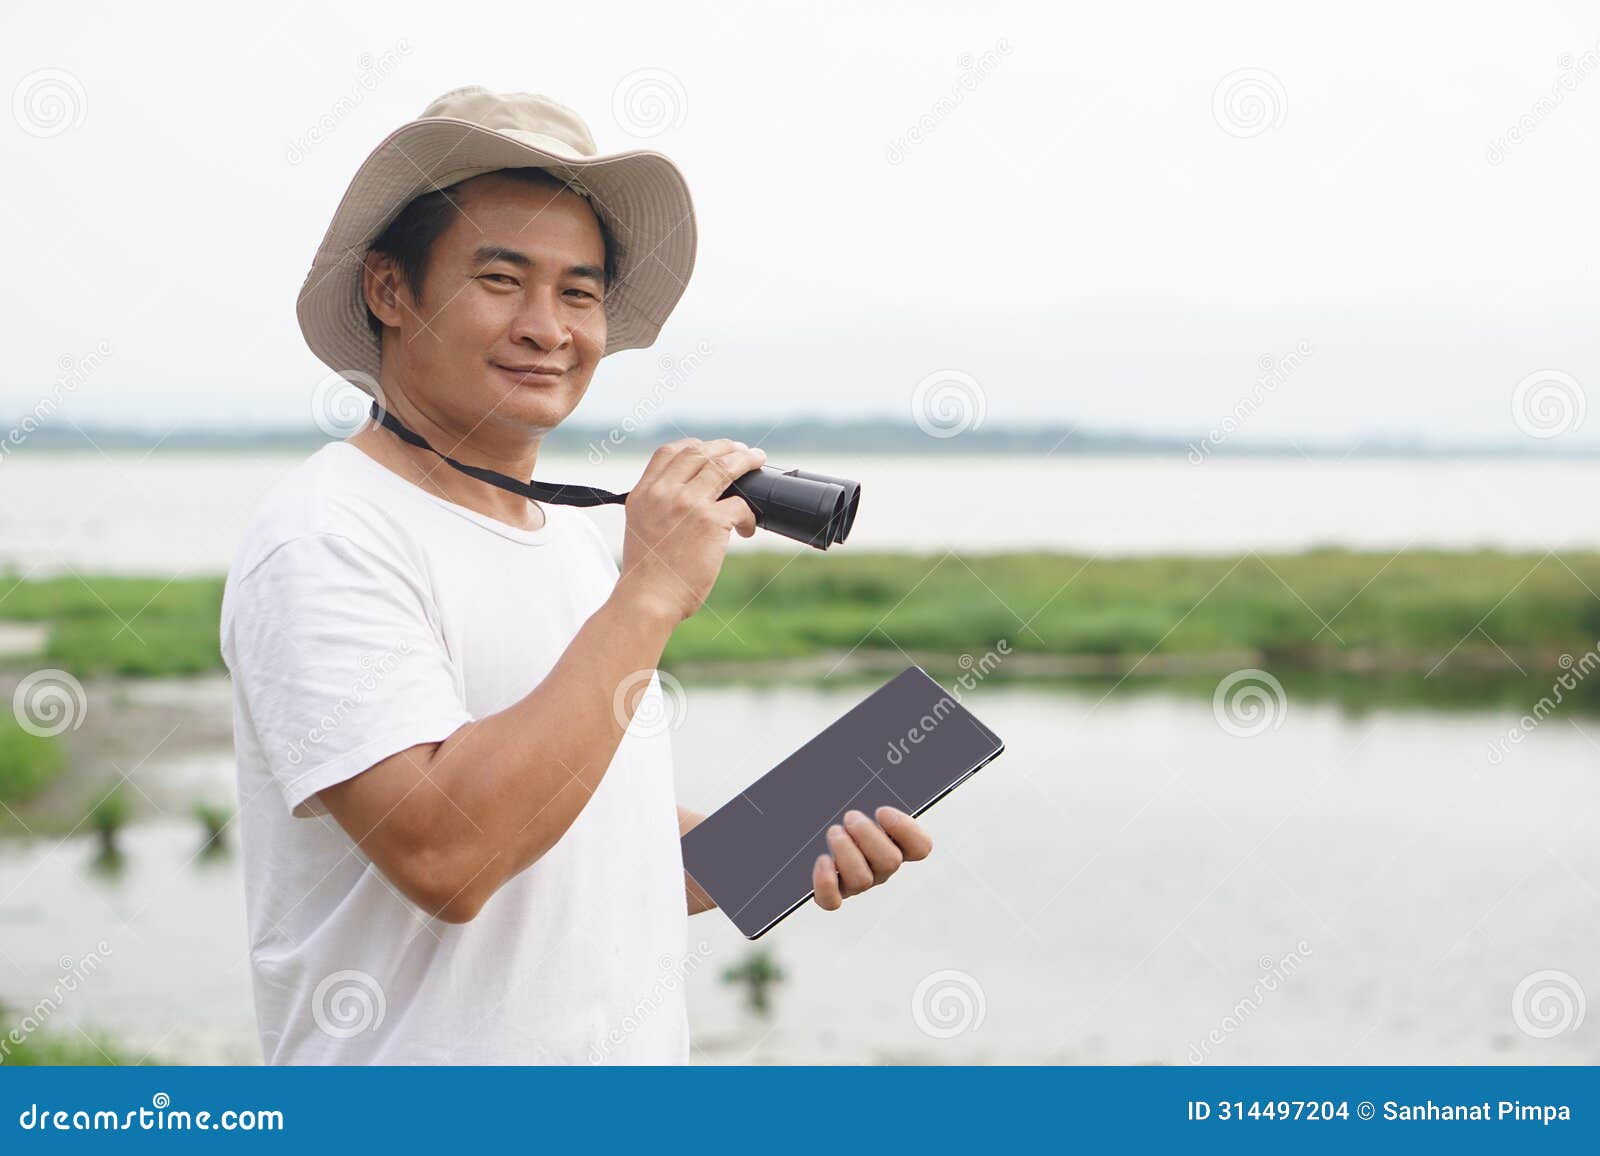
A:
x: 488, y: 254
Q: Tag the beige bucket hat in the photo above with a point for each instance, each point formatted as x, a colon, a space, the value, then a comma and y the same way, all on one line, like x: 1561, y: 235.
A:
x: 641, y: 196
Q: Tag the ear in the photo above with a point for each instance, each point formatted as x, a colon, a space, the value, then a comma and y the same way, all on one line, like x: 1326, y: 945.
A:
x: 380, y: 287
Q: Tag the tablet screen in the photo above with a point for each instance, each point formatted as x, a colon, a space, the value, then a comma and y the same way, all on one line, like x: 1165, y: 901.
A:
x: 905, y: 745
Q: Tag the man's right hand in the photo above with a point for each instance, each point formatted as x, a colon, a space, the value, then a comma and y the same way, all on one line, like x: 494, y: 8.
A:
x: 678, y: 523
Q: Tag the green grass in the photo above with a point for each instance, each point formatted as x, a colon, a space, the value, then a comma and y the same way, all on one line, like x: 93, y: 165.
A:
x: 1299, y: 611
x: 115, y: 625
x: 214, y: 822
x: 44, y: 1048
x: 28, y: 762
x: 109, y: 814
x: 58, y: 1051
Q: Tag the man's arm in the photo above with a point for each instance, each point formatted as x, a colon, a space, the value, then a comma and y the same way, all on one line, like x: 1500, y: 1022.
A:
x: 450, y: 822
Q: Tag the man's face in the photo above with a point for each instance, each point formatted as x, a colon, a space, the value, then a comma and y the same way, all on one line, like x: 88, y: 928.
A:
x: 513, y: 284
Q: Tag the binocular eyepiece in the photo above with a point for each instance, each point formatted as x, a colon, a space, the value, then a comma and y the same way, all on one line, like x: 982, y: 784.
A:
x: 812, y: 508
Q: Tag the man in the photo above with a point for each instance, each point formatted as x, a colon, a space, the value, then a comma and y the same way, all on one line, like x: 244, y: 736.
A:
x: 455, y: 848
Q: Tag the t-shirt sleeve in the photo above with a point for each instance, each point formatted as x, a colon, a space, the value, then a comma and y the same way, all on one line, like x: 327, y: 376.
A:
x: 340, y: 662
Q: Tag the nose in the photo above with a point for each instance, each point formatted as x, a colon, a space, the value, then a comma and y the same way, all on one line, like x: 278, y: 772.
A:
x: 540, y: 322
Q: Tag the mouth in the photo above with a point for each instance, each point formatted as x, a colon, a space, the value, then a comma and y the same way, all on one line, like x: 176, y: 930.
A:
x: 529, y: 373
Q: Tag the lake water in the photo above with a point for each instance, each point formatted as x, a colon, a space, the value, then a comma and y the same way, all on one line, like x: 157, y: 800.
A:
x: 1115, y: 888
x: 1126, y: 884
x: 170, y: 513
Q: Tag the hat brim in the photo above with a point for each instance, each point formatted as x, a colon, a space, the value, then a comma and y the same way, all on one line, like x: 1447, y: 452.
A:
x: 641, y: 195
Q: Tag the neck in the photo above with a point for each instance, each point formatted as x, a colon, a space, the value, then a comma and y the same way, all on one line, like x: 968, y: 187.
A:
x: 484, y: 444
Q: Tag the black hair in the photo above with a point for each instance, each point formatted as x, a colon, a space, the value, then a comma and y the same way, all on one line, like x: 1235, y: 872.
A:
x: 409, y: 238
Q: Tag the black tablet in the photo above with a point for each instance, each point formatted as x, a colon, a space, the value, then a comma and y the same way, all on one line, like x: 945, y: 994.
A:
x: 905, y: 745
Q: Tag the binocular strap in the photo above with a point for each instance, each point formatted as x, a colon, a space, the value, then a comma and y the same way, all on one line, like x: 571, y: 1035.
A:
x: 534, y: 491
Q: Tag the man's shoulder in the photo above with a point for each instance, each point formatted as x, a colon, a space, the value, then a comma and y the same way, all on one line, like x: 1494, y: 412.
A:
x: 321, y: 496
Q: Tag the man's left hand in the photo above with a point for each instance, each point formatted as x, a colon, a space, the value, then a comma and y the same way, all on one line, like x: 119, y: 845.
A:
x: 863, y: 854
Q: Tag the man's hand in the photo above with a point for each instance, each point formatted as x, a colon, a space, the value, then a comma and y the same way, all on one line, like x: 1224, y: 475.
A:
x: 678, y: 523
x: 864, y: 854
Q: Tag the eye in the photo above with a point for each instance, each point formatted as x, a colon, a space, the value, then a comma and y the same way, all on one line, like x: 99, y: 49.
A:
x: 583, y: 293
x: 499, y: 278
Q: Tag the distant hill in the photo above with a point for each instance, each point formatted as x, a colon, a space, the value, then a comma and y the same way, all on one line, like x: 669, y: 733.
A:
x: 881, y: 436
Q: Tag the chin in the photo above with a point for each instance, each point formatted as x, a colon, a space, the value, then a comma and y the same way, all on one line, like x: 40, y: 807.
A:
x: 536, y: 407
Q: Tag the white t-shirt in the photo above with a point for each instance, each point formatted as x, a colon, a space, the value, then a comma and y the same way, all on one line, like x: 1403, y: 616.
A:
x: 364, y: 615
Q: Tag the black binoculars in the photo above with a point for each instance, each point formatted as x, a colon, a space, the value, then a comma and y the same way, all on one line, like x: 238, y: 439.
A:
x: 812, y: 508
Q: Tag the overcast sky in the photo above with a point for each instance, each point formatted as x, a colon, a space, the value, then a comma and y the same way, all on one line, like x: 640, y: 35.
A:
x: 1107, y: 215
